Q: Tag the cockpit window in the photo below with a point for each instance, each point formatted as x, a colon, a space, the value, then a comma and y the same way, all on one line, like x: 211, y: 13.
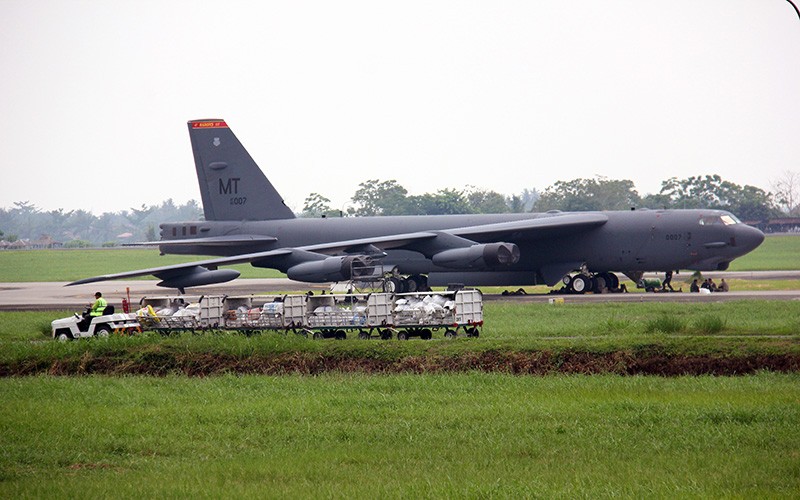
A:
x: 729, y: 220
x: 719, y: 220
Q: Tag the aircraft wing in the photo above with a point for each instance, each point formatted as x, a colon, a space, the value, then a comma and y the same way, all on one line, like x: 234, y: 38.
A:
x: 548, y: 226
x: 206, y: 272
x: 527, y: 229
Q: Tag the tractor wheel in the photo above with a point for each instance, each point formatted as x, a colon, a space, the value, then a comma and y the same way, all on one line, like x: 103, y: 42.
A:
x: 102, y: 331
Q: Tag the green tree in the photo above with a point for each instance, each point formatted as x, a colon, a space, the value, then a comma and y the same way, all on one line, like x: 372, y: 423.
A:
x: 375, y: 197
x: 486, y: 202
x: 589, y: 194
x: 712, y: 191
x: 317, y: 205
x: 443, y: 202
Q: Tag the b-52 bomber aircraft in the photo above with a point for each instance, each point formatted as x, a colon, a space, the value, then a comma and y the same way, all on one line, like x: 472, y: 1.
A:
x: 246, y: 220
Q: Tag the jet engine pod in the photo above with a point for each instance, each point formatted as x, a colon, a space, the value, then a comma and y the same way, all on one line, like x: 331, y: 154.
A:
x: 480, y: 256
x: 330, y: 269
x: 198, y: 276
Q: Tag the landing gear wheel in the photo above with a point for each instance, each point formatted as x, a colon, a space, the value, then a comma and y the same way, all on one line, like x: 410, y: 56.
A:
x: 598, y: 283
x: 420, y: 283
x: 580, y: 284
x: 103, y: 331
x: 612, y: 281
x: 410, y: 285
x: 395, y: 285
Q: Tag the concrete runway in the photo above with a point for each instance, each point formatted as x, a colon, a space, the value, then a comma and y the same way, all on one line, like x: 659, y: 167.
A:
x: 39, y: 296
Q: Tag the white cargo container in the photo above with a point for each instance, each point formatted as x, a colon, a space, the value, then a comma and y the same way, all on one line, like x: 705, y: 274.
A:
x: 420, y: 314
x: 332, y: 316
x: 376, y: 314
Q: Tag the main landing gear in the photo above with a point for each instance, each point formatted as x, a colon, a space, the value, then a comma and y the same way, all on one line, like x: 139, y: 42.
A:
x: 589, y: 282
x: 414, y: 283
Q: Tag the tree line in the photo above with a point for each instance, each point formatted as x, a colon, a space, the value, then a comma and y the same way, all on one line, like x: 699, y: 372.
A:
x: 376, y: 197
x: 80, y: 228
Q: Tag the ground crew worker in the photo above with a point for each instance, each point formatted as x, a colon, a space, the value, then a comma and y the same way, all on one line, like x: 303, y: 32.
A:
x: 98, y: 306
x: 96, y: 309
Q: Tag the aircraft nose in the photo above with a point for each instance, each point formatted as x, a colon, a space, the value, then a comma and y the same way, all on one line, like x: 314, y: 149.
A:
x: 747, y: 237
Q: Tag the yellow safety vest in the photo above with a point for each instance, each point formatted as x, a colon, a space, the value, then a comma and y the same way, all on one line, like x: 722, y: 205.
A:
x: 98, y: 307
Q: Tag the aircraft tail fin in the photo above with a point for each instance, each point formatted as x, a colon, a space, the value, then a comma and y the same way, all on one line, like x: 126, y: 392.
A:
x: 232, y: 186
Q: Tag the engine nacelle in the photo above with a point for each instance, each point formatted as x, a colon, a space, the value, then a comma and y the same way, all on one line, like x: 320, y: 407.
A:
x: 330, y: 269
x: 199, y: 276
x: 481, y: 256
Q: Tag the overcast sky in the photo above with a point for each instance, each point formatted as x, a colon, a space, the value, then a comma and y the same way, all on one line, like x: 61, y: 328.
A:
x: 509, y: 95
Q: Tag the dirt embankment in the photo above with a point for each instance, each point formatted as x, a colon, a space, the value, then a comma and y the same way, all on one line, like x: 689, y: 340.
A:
x: 161, y: 363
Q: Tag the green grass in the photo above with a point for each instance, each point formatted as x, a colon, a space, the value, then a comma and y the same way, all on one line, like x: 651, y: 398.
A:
x: 405, y: 436
x: 777, y: 253
x: 520, y: 321
x: 729, y: 329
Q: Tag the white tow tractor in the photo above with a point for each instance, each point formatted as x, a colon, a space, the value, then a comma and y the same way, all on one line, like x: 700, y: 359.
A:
x: 101, y: 326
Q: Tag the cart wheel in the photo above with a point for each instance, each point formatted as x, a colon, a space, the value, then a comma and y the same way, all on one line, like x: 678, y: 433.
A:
x: 402, y: 335
x: 363, y: 335
x: 473, y: 332
x: 340, y: 335
x: 318, y: 336
x: 450, y: 334
x: 386, y: 334
x: 63, y: 334
x: 426, y: 334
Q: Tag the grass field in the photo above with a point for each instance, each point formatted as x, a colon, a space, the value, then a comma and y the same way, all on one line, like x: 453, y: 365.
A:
x: 776, y: 253
x: 468, y: 435
x: 723, y: 337
x: 472, y: 433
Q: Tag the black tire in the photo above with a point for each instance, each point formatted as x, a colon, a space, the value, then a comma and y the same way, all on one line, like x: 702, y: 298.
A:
x: 426, y: 334
x: 102, y: 331
x: 612, y: 281
x: 63, y: 335
x: 363, y: 335
x: 420, y: 283
x: 580, y: 284
x: 318, y: 336
x: 340, y: 335
x: 395, y: 285
x: 410, y: 285
x: 450, y: 334
x: 402, y: 335
x: 386, y: 334
x: 598, y: 283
